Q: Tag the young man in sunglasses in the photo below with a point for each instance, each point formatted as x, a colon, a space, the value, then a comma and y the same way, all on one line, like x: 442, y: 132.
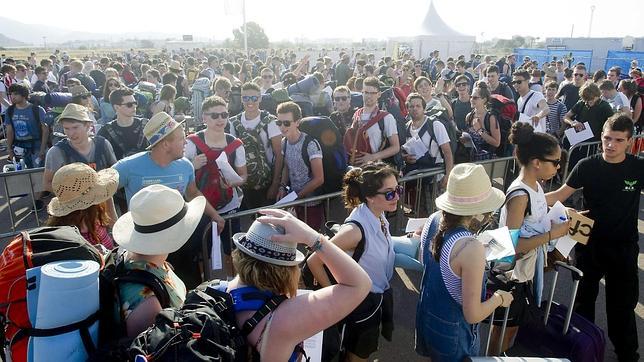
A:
x: 612, y: 185
x: 530, y: 103
x: 569, y: 93
x: 343, y: 114
x: 125, y: 133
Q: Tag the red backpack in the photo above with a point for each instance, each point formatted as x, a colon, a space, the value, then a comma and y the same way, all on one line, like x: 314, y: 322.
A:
x: 506, y: 112
x: 208, y: 178
x: 28, y: 250
x: 355, y: 137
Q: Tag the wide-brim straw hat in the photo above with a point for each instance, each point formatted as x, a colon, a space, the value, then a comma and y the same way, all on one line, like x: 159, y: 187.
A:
x: 470, y: 192
x: 257, y: 243
x: 75, y: 112
x: 77, y: 187
x: 159, y: 221
x: 79, y: 90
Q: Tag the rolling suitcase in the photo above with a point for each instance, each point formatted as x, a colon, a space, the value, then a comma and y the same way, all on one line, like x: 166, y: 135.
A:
x: 562, y: 333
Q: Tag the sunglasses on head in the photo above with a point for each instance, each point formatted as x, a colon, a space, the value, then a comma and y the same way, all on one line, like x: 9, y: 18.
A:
x: 130, y: 104
x: 215, y: 115
x: 340, y: 98
x: 250, y: 99
x: 285, y: 123
x: 555, y: 163
x: 390, y: 195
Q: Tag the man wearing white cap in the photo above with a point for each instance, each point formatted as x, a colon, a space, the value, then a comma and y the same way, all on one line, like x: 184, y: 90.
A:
x: 164, y: 164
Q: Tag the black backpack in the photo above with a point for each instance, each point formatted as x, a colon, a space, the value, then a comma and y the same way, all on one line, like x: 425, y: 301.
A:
x: 101, y: 161
x: 334, y: 156
x: 113, y: 342
x: 439, y: 113
x: 203, y: 329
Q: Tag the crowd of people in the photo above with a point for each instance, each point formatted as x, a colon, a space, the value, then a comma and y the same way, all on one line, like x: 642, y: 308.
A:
x: 144, y: 152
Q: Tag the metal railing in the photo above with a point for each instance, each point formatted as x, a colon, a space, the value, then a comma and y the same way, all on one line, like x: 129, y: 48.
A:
x: 18, y: 184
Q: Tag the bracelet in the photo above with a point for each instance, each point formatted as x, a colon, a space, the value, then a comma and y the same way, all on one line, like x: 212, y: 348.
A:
x: 317, y: 245
x: 500, y: 296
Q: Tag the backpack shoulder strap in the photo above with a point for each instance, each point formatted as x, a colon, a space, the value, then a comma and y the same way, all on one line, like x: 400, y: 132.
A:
x: 232, y: 143
x: 36, y: 111
x: 199, y: 141
x: 305, y: 150
x: 100, y: 153
x: 359, y: 250
x: 10, y: 111
x: 268, y: 307
x: 521, y: 191
x: 149, y: 280
x: 525, y: 104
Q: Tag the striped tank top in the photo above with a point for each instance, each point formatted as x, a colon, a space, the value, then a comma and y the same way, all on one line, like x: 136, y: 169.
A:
x: 452, y: 282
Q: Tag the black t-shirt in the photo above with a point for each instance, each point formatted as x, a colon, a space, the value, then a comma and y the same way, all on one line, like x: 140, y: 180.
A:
x: 596, y: 115
x: 125, y: 141
x: 570, y: 93
x: 40, y: 86
x: 612, y: 194
x: 461, y: 109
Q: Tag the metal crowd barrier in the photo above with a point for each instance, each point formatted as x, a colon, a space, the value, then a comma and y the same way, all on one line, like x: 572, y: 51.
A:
x: 18, y: 184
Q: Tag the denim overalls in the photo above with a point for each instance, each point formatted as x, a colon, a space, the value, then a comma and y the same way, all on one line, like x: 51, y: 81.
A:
x: 442, y: 332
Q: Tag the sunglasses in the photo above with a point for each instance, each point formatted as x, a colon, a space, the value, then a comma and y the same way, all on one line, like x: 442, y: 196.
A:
x: 215, y: 115
x: 390, y: 195
x: 247, y: 99
x: 340, y: 98
x: 555, y: 163
x: 464, y: 84
x: 129, y: 104
x: 285, y: 123
x: 578, y: 75
x: 517, y: 81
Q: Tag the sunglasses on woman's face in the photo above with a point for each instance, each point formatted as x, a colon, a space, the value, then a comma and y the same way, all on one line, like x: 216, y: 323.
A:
x: 390, y: 195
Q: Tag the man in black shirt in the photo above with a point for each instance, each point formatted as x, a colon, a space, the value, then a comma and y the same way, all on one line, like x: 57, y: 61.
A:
x: 343, y: 115
x: 461, y: 103
x: 570, y: 91
x: 612, y: 183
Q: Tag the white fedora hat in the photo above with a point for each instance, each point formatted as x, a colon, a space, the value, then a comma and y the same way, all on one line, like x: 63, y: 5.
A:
x: 469, y: 192
x: 159, y: 221
x: 258, y: 244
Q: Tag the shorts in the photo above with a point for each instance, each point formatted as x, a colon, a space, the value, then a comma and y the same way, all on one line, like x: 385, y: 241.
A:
x: 362, y: 327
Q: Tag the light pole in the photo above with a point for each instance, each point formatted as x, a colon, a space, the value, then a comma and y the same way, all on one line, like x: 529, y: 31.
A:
x: 590, y: 24
x: 44, y: 41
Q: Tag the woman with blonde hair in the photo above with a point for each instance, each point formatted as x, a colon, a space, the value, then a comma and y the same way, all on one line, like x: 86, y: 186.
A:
x: 267, y: 262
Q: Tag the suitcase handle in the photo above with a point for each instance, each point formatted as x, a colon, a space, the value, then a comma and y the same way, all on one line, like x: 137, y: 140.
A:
x: 576, y: 277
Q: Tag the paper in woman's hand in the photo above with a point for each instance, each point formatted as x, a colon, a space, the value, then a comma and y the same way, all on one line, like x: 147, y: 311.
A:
x: 227, y: 170
x: 498, y: 243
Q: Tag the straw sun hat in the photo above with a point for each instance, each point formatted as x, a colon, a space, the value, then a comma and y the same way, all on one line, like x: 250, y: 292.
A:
x: 77, y: 187
x: 469, y: 192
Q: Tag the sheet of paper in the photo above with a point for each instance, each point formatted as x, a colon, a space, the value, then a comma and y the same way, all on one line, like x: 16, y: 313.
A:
x: 215, y: 252
x: 580, y: 227
x: 539, y: 127
x: 414, y: 224
x: 575, y: 137
x: 557, y: 213
x: 467, y: 141
x: 415, y: 147
x: 227, y: 170
x: 313, y: 345
x: 565, y: 245
x: 498, y: 243
x: 291, y: 196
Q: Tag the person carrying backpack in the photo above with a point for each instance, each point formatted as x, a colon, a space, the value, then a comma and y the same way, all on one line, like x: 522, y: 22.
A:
x: 262, y: 141
x: 366, y: 140
x: 434, y: 137
x: 202, y: 149
x: 147, y: 238
x: 303, y: 171
x: 25, y: 127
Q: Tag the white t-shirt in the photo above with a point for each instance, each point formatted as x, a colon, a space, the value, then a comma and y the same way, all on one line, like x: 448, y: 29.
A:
x: 190, y: 152
x: 441, y: 138
x: 3, y: 89
x: 273, y: 131
x: 531, y: 108
x: 374, y: 134
x: 619, y: 101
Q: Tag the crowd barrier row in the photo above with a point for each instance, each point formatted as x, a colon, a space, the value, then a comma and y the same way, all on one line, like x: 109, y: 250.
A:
x: 28, y: 183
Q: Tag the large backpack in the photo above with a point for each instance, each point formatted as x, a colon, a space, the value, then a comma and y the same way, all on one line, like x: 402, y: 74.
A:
x: 505, y: 111
x: 439, y: 113
x: 334, y: 155
x: 209, y: 178
x: 204, y: 329
x: 113, y: 342
x: 101, y: 161
x: 32, y: 249
x: 36, y: 126
x: 259, y: 170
